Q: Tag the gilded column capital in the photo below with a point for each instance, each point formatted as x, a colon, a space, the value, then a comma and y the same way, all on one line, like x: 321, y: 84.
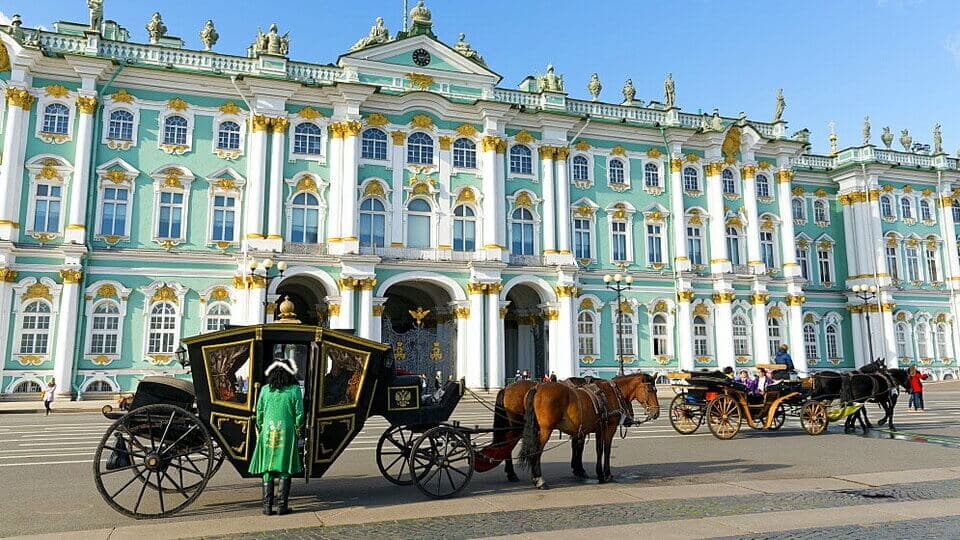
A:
x: 351, y: 128
x: 547, y: 152
x: 567, y: 291
x: 676, y: 165
x: 279, y: 124
x: 259, y: 122
x: 19, y: 97
x: 399, y: 137
x: 945, y: 201
x: 748, y: 172
x: 873, y: 195
x: 684, y: 296
x: 71, y: 276
x: 462, y: 312
x: 257, y: 281
x: 491, y: 143
x: 723, y: 297
x: 87, y: 104
x: 795, y: 300
x: 561, y: 153
x: 378, y: 310
x: 784, y: 177
x: 348, y: 283
x: 494, y: 288
x: 759, y: 298
x: 475, y: 288
x: 444, y: 142
x: 334, y: 309
x: 7, y: 275
x: 548, y: 314
x: 366, y: 284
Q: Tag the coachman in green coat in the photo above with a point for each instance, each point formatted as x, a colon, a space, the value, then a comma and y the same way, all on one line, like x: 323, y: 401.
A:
x: 279, y: 421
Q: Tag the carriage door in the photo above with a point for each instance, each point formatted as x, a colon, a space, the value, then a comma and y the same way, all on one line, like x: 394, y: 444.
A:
x: 229, y: 369
x: 337, y: 410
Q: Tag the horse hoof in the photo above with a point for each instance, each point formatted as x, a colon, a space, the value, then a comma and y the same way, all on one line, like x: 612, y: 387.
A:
x: 539, y: 483
x: 582, y: 475
x: 512, y: 478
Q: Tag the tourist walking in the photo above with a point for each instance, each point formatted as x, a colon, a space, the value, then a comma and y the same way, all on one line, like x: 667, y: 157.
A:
x: 916, y: 389
x: 47, y: 396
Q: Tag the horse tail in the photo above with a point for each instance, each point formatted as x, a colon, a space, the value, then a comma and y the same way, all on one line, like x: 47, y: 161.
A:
x: 530, y: 450
x: 500, y: 420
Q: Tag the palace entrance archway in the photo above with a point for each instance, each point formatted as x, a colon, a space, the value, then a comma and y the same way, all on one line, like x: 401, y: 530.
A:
x: 419, y: 323
x: 309, y: 296
x: 526, y: 336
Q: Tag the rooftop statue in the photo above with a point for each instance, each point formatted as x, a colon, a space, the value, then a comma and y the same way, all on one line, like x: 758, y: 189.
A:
x: 905, y: 140
x: 594, y: 86
x: 866, y: 130
x: 629, y: 92
x: 420, y: 14
x: 209, y: 36
x: 937, y: 140
x: 781, y: 105
x: 887, y: 137
x: 156, y: 28
x: 669, y: 91
x: 96, y: 13
x: 550, y: 81
x: 466, y: 50
x: 271, y: 42
x: 378, y: 34
x: 716, y: 123
x: 802, y: 136
x: 742, y: 119
x: 15, y: 31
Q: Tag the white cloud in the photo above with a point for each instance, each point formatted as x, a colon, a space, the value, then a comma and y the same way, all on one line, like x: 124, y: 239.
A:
x: 4, y: 20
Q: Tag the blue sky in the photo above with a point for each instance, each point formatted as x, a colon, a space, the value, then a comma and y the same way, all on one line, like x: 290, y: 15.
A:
x: 896, y: 60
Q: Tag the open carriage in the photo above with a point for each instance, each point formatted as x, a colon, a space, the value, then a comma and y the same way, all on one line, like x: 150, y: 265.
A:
x: 725, y: 404
x: 157, y: 457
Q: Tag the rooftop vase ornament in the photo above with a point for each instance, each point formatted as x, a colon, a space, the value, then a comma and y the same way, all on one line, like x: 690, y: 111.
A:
x: 378, y: 34
x: 781, y: 105
x: 887, y: 137
x: 629, y: 92
x: 466, y: 50
x: 594, y: 87
x: 669, y: 91
x: 937, y: 140
x: 866, y: 130
x: 905, y: 140
x: 96, y: 13
x: 209, y: 36
x: 156, y: 28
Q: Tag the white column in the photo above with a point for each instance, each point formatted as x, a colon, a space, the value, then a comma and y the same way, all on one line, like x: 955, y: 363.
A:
x: 563, y: 206
x: 77, y: 217
x: 886, y: 334
x: 549, y: 202
x: 494, y: 338
x: 556, y: 335
x: 275, y: 201
x: 795, y: 302
x: 257, y: 299
x: 442, y: 229
x: 376, y: 323
x: 256, y: 178
x: 396, y: 218
x: 859, y: 343
x: 787, y: 241
x: 493, y: 205
x: 348, y: 211
x: 365, y: 325
x: 19, y: 102
x: 7, y: 277
x: 474, y: 337
x: 761, y: 352
x: 462, y: 312
x: 501, y: 200
x: 345, y: 319
x: 949, y: 234
x: 335, y: 191
x: 684, y: 336
x: 568, y: 360
x: 749, y: 176
x: 723, y: 328
x: 877, y: 249
x: 850, y: 240
x: 678, y: 215
x: 66, y: 344
x: 720, y: 259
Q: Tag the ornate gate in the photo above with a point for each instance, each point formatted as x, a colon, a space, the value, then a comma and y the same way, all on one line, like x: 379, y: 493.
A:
x: 423, y: 342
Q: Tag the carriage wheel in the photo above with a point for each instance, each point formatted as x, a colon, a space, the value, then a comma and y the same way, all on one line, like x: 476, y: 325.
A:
x: 393, y: 451
x: 160, y: 447
x: 441, y: 462
x: 723, y: 417
x: 685, y: 417
x: 813, y: 417
x: 779, y: 417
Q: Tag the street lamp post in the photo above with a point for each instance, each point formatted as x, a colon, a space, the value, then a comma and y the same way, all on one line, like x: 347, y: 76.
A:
x: 265, y: 265
x: 866, y: 293
x: 619, y: 283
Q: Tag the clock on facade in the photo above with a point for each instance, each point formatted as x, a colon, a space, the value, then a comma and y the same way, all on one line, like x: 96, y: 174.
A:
x: 421, y: 57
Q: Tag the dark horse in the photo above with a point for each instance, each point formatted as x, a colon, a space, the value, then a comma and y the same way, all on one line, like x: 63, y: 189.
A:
x: 872, y: 382
x: 576, y: 412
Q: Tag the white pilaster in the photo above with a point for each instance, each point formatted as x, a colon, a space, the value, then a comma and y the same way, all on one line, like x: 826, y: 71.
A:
x: 567, y: 359
x: 761, y: 352
x: 366, y: 322
x: 849, y: 238
x: 67, y: 318
x: 491, y: 167
x: 859, y: 343
x: 549, y: 202
x: 461, y: 310
x: 684, y: 336
x: 348, y: 211
x: 19, y: 102
x: 7, y: 276
x: 398, y: 160
x: 345, y: 318
x: 275, y: 201
x: 77, y: 217
x: 678, y: 216
x: 474, y: 370
x: 787, y: 241
x: 256, y: 179
x: 564, y: 223
x: 749, y: 176
x: 795, y: 300
x: 720, y: 259
x: 494, y: 339
x: 886, y: 334
x: 949, y: 235
x: 376, y: 324
x: 444, y: 234
x: 723, y: 317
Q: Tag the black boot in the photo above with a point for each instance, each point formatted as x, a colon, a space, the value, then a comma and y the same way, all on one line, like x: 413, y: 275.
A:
x: 283, y: 497
x: 268, y: 497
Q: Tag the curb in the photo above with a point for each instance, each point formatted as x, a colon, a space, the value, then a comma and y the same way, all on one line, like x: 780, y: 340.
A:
x: 54, y: 411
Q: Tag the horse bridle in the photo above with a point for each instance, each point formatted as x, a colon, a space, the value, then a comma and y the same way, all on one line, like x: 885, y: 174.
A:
x: 626, y: 408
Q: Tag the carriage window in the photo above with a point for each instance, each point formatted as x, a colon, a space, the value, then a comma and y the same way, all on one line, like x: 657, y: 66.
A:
x: 229, y: 371
x: 343, y: 371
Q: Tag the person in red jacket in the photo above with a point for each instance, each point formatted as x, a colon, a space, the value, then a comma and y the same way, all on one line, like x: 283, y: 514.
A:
x: 916, y: 389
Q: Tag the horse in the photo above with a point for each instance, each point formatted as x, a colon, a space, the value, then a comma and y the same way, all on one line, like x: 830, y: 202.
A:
x: 872, y: 382
x: 902, y: 379
x: 573, y: 411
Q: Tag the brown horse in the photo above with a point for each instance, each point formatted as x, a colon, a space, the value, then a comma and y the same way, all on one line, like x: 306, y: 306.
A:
x: 570, y: 409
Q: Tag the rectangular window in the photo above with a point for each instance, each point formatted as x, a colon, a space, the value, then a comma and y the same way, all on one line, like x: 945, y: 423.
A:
x: 224, y: 215
x: 170, y: 216
x: 46, y: 215
x: 892, y: 262
x: 581, y: 239
x: 619, y: 232
x: 694, y: 245
x: 826, y: 270
x: 464, y: 234
x: 733, y: 246
x: 766, y: 249
x: 932, y: 275
x: 804, y: 263
x: 654, y: 244
x: 113, y: 219
x: 913, y: 264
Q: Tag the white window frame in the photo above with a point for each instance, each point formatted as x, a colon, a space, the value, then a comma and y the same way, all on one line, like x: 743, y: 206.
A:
x: 904, y: 208
x: 922, y: 336
x: 661, y: 238
x: 475, y: 219
x: 658, y: 165
x: 815, y: 344
x: 321, y: 158
x: 700, y: 179
x: 918, y: 259
x: 737, y: 189
x: 942, y: 342
x: 476, y: 156
x: 707, y: 337
x: 206, y: 318
x: 299, y: 183
x: 594, y: 336
x: 891, y: 206
x: 826, y: 260
x: 69, y: 101
x: 386, y: 141
x: 803, y: 257
x: 770, y: 338
x: 108, y: 179
x: 629, y: 212
x: 903, y: 336
x: 934, y: 274
x: 627, y: 183
x: 175, y: 149
x: 668, y: 322
x: 534, y: 161
x: 769, y: 195
x: 838, y: 342
x: 773, y: 241
x: 120, y: 296
x: 238, y: 118
x: 741, y: 244
x: 747, y: 338
x: 704, y: 256
x: 621, y: 339
x: 387, y: 213
x: 111, y: 105
x: 226, y: 182
x: 931, y: 211
x: 583, y: 182
x: 802, y: 218
x: 39, y: 170
x: 162, y: 184
x: 51, y: 298
x: 150, y: 294
x: 432, y: 216
x: 825, y: 204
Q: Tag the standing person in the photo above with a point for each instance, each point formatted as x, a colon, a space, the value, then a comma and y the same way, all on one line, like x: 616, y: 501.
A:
x: 47, y: 396
x: 728, y: 371
x: 553, y: 376
x: 783, y: 357
x: 916, y: 389
x: 279, y: 421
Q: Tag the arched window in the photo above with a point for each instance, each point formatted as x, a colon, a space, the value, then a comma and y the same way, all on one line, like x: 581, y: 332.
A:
x: 925, y: 213
x: 923, y: 340
x: 464, y: 228
x: 228, y: 136
x: 175, y: 130
x: 799, y: 210
x: 218, y: 317
x: 464, y: 154
x: 46, y: 209
x: 768, y: 249
x: 701, y: 343
x: 955, y: 206
x: 651, y: 175
x: 774, y: 335
x: 162, y: 328
x: 741, y: 336
x: 902, y: 334
x: 659, y: 332
x: 35, y: 328
x: 626, y: 341
x: 521, y: 237
x: 763, y: 186
x: 616, y: 174
x: 729, y: 185
x: 306, y: 138
x: 373, y: 217
x: 305, y: 218
x: 581, y: 170
x: 121, y: 126
x: 733, y: 245
x: 418, y: 223
x: 695, y: 244
x: 820, y: 214
x: 582, y: 232
x: 99, y: 386
x: 691, y: 179
x: 373, y: 144
x: 906, y: 208
x: 521, y: 159
x: 27, y: 387
x: 810, y: 342
x: 420, y: 149
x: 586, y: 334
x: 833, y: 342
x: 105, y: 326
x: 943, y: 336
x: 56, y: 119
x: 886, y: 207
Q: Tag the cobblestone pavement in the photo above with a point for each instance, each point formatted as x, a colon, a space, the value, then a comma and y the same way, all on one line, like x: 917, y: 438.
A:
x: 516, y: 522
x: 947, y: 528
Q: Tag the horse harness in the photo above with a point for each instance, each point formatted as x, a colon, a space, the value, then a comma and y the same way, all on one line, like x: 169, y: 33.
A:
x: 598, y: 399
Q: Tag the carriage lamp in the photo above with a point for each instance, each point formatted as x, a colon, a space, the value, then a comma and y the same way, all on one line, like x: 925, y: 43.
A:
x: 866, y: 294
x: 619, y: 283
x: 182, y: 358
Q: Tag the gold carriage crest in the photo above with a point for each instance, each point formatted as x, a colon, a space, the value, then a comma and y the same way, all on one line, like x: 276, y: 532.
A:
x: 403, y: 398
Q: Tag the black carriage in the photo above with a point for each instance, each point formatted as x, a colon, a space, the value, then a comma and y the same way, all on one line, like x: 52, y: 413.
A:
x: 725, y: 404
x: 157, y: 457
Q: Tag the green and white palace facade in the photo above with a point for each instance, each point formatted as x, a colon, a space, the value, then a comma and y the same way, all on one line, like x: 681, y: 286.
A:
x: 142, y: 186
